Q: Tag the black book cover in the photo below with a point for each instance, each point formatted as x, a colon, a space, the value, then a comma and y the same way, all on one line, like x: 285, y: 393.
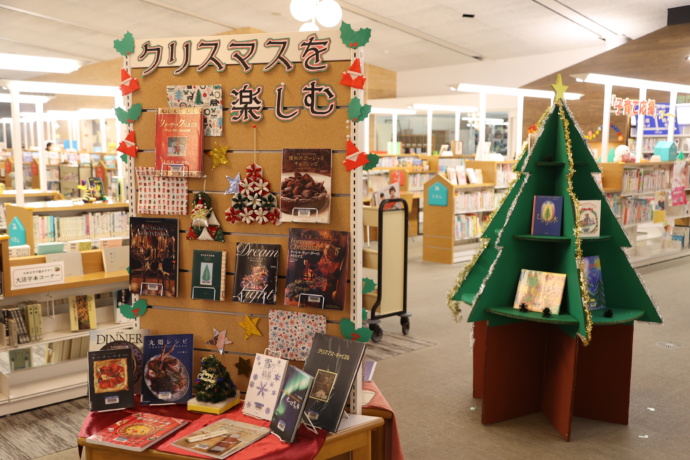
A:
x: 334, y: 362
x: 153, y: 256
x: 256, y: 273
x: 293, y: 394
x: 110, y: 379
x: 168, y: 363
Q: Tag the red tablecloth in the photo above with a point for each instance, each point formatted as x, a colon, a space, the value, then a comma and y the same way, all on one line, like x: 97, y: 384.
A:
x: 394, y: 449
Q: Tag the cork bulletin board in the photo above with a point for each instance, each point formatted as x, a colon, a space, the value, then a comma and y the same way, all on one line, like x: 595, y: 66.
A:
x: 253, y: 141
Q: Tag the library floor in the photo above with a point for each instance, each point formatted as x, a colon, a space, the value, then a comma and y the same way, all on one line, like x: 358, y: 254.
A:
x: 430, y: 389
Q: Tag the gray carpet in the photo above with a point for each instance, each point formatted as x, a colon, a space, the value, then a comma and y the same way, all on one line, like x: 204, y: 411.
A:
x: 395, y: 344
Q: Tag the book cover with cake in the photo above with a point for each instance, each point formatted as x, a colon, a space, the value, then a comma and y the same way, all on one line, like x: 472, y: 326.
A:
x: 208, y: 274
x: 293, y: 395
x: 547, y: 215
x: 153, y: 256
x: 595, y: 283
x: 317, y: 268
x: 590, y: 218
x: 168, y: 363
x: 539, y: 290
x: 305, y: 187
x: 262, y: 391
x: 112, y: 339
x: 137, y: 431
x: 334, y: 362
x: 256, y: 273
x: 222, y: 438
x: 179, y: 142
x: 82, y: 312
x: 110, y: 379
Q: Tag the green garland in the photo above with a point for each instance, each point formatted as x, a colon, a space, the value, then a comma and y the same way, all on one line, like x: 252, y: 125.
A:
x: 213, y: 384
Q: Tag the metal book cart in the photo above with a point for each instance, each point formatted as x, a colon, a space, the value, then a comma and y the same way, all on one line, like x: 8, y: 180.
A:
x: 390, y: 260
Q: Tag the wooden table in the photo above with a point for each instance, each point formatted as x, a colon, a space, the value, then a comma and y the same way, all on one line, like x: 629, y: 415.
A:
x: 354, y: 436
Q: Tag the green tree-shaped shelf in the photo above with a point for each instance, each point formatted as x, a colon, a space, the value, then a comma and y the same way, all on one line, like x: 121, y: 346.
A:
x: 559, y: 164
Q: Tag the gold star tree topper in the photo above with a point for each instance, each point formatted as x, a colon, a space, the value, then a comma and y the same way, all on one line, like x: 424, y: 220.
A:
x: 249, y: 326
x: 219, y: 156
x: 559, y: 88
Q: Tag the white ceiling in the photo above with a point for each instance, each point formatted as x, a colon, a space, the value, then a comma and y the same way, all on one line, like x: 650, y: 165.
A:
x: 407, y: 34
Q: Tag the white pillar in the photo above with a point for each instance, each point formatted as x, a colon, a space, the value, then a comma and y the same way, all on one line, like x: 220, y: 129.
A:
x: 40, y: 139
x: 672, y: 120
x: 640, y: 128
x: 606, y: 123
x: 394, y: 131
x: 17, y: 147
x: 518, y: 125
x: 429, y: 143
x: 482, y: 128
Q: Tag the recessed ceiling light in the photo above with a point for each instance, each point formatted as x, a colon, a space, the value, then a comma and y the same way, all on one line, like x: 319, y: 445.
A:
x: 468, y: 15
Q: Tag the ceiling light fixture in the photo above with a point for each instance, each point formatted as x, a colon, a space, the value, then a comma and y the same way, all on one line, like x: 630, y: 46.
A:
x: 26, y: 63
x: 328, y: 13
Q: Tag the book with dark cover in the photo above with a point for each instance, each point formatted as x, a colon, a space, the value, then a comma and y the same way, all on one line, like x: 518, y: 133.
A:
x: 179, y: 142
x: 334, y: 362
x: 595, y: 282
x: 293, y: 395
x: 137, y: 431
x: 317, y: 268
x: 110, y: 385
x: 256, y: 273
x: 305, y: 187
x: 547, y: 215
x: 222, y: 438
x: 208, y: 274
x: 167, y: 369
x: 111, y: 339
x: 153, y: 256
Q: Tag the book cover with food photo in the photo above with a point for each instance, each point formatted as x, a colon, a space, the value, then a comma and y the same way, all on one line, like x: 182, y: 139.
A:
x: 167, y: 369
x: 110, y: 373
x: 305, y: 186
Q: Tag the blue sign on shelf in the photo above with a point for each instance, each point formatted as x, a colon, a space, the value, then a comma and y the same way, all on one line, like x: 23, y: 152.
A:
x: 16, y: 232
x: 658, y: 124
x: 438, y: 195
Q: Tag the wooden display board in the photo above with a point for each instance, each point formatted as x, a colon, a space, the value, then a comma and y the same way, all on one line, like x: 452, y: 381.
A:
x: 254, y: 141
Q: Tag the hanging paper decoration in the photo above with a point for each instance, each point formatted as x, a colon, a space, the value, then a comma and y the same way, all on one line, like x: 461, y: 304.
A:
x: 244, y: 367
x: 249, y: 326
x: 219, y: 155
x: 233, y: 184
x: 354, y: 157
x: 205, y: 225
x: 291, y: 333
x: 373, y: 161
x: 207, y: 97
x: 126, y: 45
x: 353, y: 77
x: 356, y: 111
x: 354, y: 39
x: 134, y: 311
x: 161, y: 194
x: 368, y: 285
x: 129, y: 145
x: 219, y: 340
x: 254, y: 201
x: 362, y: 334
x: 128, y: 116
x: 124, y: 158
x: 127, y: 83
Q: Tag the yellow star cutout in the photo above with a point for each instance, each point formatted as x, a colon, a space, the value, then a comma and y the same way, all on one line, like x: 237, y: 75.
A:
x: 249, y: 326
x: 559, y: 88
x: 219, y: 156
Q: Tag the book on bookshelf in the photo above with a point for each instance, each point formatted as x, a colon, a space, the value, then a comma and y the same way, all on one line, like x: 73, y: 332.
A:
x: 137, y: 432
x: 153, y: 256
x: 547, y: 215
x: 288, y: 414
x: 96, y: 184
x: 461, y: 174
x: 20, y: 358
x: 317, y: 268
x: 121, y: 297
x: 305, y: 187
x: 112, y: 339
x: 179, y: 142
x: 479, y: 175
x: 538, y: 290
x: 262, y: 395
x: 115, y: 258
x: 33, y: 317
x: 110, y: 373
x: 222, y: 438
x: 471, y: 176
x: 334, y: 362
x: 590, y: 218
x: 208, y: 274
x: 13, y: 318
x: 167, y: 369
x: 82, y: 312
x: 595, y: 282
x: 256, y: 273
x: 73, y: 262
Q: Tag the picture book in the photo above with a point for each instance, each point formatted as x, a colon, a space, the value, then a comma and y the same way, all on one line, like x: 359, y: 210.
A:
x: 137, y: 431
x: 290, y: 409
x: 256, y: 273
x: 96, y: 184
x: 222, y: 438
x: 110, y: 384
x: 179, y: 142
x: 389, y: 192
x: 113, y: 339
x: 547, y: 215
x: 167, y: 369
x: 153, y: 256
x: 20, y: 358
x: 595, y: 283
x: 590, y: 218
x: 334, y: 362
x: 82, y: 312
x: 262, y: 392
x: 317, y: 268
x: 208, y: 274
x: 73, y: 262
x: 540, y: 290
x: 305, y: 186
x: 115, y: 258
x: 121, y: 297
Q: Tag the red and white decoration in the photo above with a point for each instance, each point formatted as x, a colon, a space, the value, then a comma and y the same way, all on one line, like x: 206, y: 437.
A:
x: 254, y: 203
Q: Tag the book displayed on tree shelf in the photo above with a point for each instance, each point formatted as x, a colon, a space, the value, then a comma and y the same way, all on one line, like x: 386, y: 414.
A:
x: 222, y: 438
x: 590, y: 218
x: 262, y: 394
x: 137, y: 431
x: 538, y: 290
x: 110, y: 373
x: 305, y: 187
x: 112, y: 339
x: 154, y: 256
x: 208, y: 274
x: 179, y: 142
x: 547, y: 215
x: 288, y: 414
x: 167, y: 369
x: 595, y: 282
x: 256, y: 273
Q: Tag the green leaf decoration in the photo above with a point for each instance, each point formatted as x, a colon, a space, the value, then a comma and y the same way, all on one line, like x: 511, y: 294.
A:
x: 356, y: 111
x: 347, y: 328
x: 352, y: 38
x: 373, y: 161
x: 368, y: 285
x: 126, y: 45
x: 128, y: 270
x: 134, y: 311
x: 128, y: 116
x: 124, y: 157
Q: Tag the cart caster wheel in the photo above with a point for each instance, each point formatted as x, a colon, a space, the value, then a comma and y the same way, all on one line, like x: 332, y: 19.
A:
x: 405, y: 322
x: 378, y: 333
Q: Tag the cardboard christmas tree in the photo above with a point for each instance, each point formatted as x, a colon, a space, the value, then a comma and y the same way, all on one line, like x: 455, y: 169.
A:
x: 559, y: 164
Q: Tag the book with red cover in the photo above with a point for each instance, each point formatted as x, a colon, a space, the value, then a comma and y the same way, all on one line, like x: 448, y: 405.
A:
x: 137, y: 431
x: 179, y: 142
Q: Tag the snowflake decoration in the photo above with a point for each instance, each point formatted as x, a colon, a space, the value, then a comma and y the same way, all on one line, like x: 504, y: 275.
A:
x: 268, y: 410
x: 277, y: 377
x: 254, y: 202
x: 251, y: 384
x: 255, y: 376
x: 273, y: 393
x: 261, y: 389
